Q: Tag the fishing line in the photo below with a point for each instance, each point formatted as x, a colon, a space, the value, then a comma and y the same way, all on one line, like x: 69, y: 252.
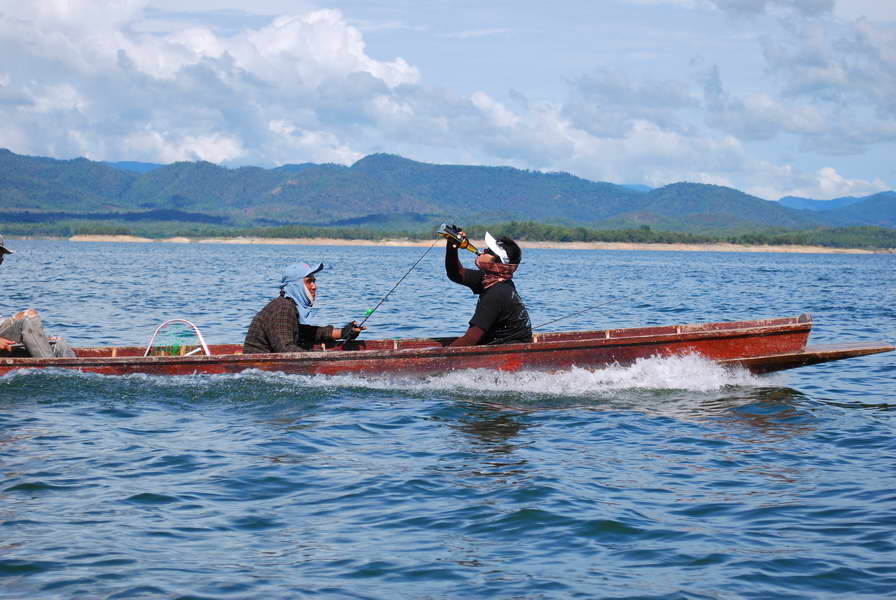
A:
x: 570, y: 315
x: 580, y: 312
x: 370, y: 311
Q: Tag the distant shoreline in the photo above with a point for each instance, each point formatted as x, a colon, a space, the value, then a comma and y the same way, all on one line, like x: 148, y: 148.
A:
x: 713, y: 247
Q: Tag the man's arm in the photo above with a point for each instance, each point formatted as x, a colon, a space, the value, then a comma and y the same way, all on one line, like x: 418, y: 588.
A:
x: 6, y: 344
x: 316, y: 334
x: 453, y: 268
x: 488, y: 311
x: 470, y: 338
x: 319, y: 334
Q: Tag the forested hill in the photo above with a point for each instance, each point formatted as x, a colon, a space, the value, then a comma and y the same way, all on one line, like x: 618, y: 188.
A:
x: 387, y: 189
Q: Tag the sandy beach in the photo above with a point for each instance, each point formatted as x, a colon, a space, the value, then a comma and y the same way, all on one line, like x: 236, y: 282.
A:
x: 720, y: 247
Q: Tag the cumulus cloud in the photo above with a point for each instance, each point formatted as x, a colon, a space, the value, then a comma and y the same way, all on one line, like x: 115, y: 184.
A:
x: 756, y: 116
x: 848, y: 63
x: 116, y: 80
x: 832, y: 184
x: 773, y: 181
x: 836, y: 87
x: 185, y: 94
x: 607, y: 103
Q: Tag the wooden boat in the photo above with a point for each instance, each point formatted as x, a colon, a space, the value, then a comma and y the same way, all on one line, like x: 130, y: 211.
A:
x: 760, y: 346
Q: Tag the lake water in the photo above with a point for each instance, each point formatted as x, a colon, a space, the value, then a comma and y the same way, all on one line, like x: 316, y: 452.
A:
x: 669, y: 479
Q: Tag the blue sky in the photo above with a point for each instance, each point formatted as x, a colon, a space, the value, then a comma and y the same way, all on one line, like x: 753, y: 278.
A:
x: 773, y: 97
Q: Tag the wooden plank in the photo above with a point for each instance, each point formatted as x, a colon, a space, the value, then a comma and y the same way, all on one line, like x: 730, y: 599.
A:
x: 811, y: 355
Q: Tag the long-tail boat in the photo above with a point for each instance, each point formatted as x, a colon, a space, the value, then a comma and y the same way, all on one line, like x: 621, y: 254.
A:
x: 760, y: 346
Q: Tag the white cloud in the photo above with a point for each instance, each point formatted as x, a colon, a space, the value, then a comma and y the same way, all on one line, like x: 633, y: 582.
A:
x: 322, y: 144
x: 757, y: 116
x: 495, y: 111
x: 836, y: 89
x: 216, y: 148
x: 832, y: 184
x: 607, y: 103
x: 187, y: 93
x: 772, y: 181
x: 11, y: 96
x: 854, y: 63
x: 304, y: 87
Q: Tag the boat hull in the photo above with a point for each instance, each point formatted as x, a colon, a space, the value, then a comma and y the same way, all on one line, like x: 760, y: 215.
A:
x: 760, y: 346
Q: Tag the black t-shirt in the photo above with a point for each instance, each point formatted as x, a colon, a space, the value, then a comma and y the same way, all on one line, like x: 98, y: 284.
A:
x: 500, y: 311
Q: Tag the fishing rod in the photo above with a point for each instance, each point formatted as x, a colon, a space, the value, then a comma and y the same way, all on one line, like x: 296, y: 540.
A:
x: 581, y: 311
x: 370, y: 311
x: 451, y: 232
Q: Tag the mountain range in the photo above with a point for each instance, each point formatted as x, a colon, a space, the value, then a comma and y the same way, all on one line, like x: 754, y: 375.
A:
x: 383, y: 190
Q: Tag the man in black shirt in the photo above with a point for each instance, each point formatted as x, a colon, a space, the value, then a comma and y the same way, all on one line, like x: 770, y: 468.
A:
x: 500, y: 317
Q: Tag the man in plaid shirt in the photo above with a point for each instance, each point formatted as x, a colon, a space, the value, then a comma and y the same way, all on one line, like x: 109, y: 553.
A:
x: 282, y: 325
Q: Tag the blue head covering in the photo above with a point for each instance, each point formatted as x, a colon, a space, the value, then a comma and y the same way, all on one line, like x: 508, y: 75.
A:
x: 293, y: 286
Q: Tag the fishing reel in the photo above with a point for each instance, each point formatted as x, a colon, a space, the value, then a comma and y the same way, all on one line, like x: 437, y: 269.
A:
x: 454, y: 233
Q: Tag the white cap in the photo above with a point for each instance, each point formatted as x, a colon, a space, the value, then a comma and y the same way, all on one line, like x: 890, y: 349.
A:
x: 492, y: 244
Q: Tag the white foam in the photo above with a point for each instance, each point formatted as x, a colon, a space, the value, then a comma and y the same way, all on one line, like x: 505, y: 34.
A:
x: 693, y: 373
x: 689, y: 372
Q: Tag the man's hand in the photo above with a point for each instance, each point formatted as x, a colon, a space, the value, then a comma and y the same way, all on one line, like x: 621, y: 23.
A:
x: 454, y: 235
x: 6, y: 344
x: 350, y: 331
x: 453, y: 242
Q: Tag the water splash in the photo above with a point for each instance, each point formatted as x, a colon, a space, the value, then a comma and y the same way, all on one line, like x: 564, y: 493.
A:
x: 679, y: 373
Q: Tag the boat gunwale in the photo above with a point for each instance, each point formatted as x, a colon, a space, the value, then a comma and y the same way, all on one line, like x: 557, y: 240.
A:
x: 600, y: 338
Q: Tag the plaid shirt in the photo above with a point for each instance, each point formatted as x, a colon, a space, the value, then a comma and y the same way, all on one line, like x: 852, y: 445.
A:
x: 276, y: 328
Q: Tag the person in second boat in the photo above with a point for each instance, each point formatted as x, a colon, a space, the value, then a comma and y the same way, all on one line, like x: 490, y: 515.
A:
x: 25, y: 329
x: 500, y: 317
x: 282, y: 325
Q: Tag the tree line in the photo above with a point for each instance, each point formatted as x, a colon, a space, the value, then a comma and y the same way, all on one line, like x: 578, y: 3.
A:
x: 866, y: 237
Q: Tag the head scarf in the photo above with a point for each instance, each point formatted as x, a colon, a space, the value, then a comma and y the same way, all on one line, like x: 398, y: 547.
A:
x: 494, y: 272
x: 292, y: 284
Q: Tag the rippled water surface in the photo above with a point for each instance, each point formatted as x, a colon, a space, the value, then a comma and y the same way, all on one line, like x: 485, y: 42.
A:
x: 671, y: 478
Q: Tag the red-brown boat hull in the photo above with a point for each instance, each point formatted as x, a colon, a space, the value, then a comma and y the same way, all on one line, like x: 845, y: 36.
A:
x: 761, y: 346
